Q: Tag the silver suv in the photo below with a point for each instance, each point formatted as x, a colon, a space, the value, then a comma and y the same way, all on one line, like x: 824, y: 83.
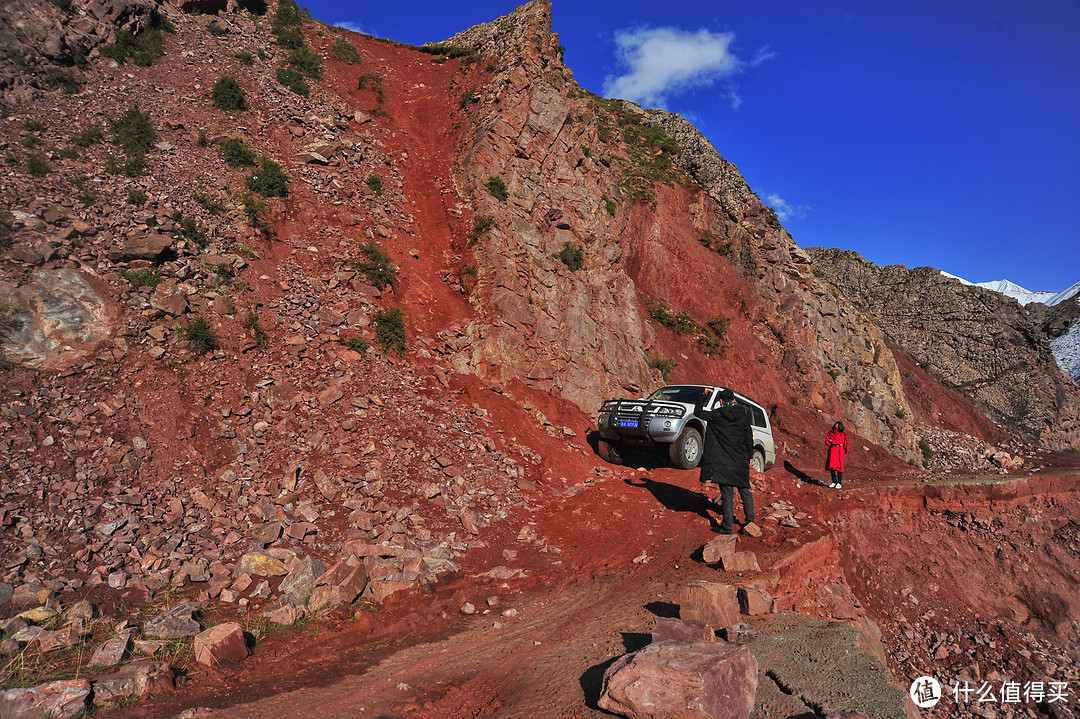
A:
x: 665, y: 420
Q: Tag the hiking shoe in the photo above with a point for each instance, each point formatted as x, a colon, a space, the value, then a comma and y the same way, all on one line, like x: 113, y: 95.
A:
x: 832, y: 485
x: 839, y: 486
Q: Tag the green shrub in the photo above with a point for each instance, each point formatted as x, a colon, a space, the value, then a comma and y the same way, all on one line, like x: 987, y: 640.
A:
x: 288, y: 19
x: 131, y: 166
x: 32, y: 124
x: 143, y: 48
x: 251, y: 322
x: 481, y: 224
x: 390, y: 330
x: 257, y: 213
x: 497, y: 188
x: 67, y: 153
x: 660, y: 315
x: 610, y: 206
x: 143, y: 277
x: 685, y: 324
x: 374, y: 82
x: 38, y: 166
x: 927, y: 451
x: 87, y: 193
x: 31, y: 141
x: 7, y: 225
x: 12, y: 160
x: 270, y: 180
x: 374, y: 183
x: 217, y: 30
x: 245, y: 57
x: 228, y: 95
x: 346, y: 52
x: 572, y: 256
x: 90, y: 136
x: 188, y: 229
x: 134, y: 132
x: 466, y: 97
x: 201, y: 336
x: 376, y: 267
x: 136, y: 196
x: 666, y: 366
x: 236, y: 153
x: 209, y: 204
x: 306, y: 61
x: 289, y: 38
x: 55, y: 78
x: 293, y: 80
x: 356, y: 344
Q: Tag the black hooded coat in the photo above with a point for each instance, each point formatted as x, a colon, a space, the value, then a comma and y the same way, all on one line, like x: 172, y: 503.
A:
x: 729, y: 444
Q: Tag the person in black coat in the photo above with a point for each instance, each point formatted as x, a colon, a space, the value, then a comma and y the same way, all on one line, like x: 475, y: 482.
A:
x: 729, y: 447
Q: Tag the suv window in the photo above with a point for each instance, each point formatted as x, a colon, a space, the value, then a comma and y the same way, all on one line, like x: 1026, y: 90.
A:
x: 689, y: 395
x: 757, y: 416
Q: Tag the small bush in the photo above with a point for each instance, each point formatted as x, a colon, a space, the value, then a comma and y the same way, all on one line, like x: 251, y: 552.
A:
x: 31, y: 141
x: 927, y: 451
x: 188, y: 229
x: 55, y: 78
x: 217, y: 30
x: 203, y: 140
x: 289, y: 38
x: 136, y: 197
x: 12, y: 160
x: 38, y: 166
x: 356, y: 344
x: 87, y: 193
x: 390, y: 330
x: 143, y: 48
x: 228, y: 95
x: 131, y: 166
x: 32, y: 124
x: 270, y: 180
x: 685, y: 324
x: 346, y: 52
x: 719, y: 325
x: 207, y: 203
x: 293, y: 80
x: 134, y: 132
x: 245, y: 57
x: 610, y: 206
x: 306, y: 61
x: 660, y: 315
x: 90, y: 136
x: 572, y: 256
x: 201, y: 336
x: 143, y: 277
x: 666, y: 366
x: 376, y: 267
x: 481, y: 225
x: 7, y: 225
x: 466, y: 97
x: 497, y: 188
x: 374, y: 82
x: 251, y: 322
x: 374, y: 183
x: 236, y: 153
x: 67, y: 153
x: 257, y: 213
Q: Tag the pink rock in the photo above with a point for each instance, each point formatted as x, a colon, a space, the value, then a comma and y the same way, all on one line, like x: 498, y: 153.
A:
x: 754, y: 602
x: 684, y: 630
x: 138, y: 679
x: 221, y: 644
x: 713, y: 603
x: 718, y: 548
x: 740, y: 562
x: 60, y: 700
x: 682, y: 680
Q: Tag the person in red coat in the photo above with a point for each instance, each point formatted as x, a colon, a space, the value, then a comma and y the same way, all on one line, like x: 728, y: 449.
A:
x: 837, y: 441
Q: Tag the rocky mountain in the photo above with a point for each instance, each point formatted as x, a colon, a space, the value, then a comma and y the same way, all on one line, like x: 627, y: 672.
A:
x: 970, y: 338
x: 294, y: 318
x: 1010, y: 289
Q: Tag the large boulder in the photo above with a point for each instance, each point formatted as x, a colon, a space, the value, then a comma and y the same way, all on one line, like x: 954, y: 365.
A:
x: 58, y: 700
x: 714, y: 603
x: 175, y: 623
x: 676, y: 679
x: 136, y: 680
x: 221, y: 644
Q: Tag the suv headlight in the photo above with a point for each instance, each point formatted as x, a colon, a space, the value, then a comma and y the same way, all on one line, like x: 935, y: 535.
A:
x: 669, y: 411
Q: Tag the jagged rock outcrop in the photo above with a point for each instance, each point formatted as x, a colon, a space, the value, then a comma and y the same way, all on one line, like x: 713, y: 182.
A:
x: 578, y: 333
x: 581, y: 333
x: 982, y: 343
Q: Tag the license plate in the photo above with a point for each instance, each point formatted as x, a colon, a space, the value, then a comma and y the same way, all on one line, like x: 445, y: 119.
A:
x: 628, y: 423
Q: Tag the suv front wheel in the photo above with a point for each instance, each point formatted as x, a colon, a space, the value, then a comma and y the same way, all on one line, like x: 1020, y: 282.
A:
x: 757, y: 462
x: 685, y: 452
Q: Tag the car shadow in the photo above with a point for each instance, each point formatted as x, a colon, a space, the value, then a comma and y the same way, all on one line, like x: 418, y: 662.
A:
x: 632, y: 456
x: 678, y: 499
x: 801, y: 475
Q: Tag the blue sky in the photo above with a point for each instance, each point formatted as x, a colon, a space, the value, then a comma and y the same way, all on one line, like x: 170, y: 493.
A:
x: 922, y: 132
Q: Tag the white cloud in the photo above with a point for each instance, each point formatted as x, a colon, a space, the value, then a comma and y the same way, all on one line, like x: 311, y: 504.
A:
x: 784, y: 210
x: 666, y: 60
x: 354, y: 26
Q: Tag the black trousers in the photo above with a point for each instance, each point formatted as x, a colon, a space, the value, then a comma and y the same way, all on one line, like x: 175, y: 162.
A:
x: 727, y: 505
x: 837, y: 476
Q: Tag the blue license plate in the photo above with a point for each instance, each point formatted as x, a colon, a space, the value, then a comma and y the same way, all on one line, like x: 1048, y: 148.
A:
x: 628, y: 423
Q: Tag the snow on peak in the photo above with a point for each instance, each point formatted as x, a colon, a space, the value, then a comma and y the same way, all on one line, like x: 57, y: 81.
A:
x: 1021, y: 295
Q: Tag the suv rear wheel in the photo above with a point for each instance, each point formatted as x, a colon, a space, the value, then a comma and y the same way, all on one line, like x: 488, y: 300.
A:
x: 758, y: 461
x: 685, y: 452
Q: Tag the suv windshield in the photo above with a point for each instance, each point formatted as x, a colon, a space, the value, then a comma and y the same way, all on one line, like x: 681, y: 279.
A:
x: 688, y: 395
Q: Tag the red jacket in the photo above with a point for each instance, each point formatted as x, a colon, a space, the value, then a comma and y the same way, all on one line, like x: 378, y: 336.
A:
x: 838, y: 449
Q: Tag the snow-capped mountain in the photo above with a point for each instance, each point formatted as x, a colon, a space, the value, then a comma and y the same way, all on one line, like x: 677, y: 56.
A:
x: 1064, y: 320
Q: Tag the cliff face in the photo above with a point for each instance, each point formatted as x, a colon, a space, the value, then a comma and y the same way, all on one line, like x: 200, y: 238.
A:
x: 577, y: 172
x: 980, y: 342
